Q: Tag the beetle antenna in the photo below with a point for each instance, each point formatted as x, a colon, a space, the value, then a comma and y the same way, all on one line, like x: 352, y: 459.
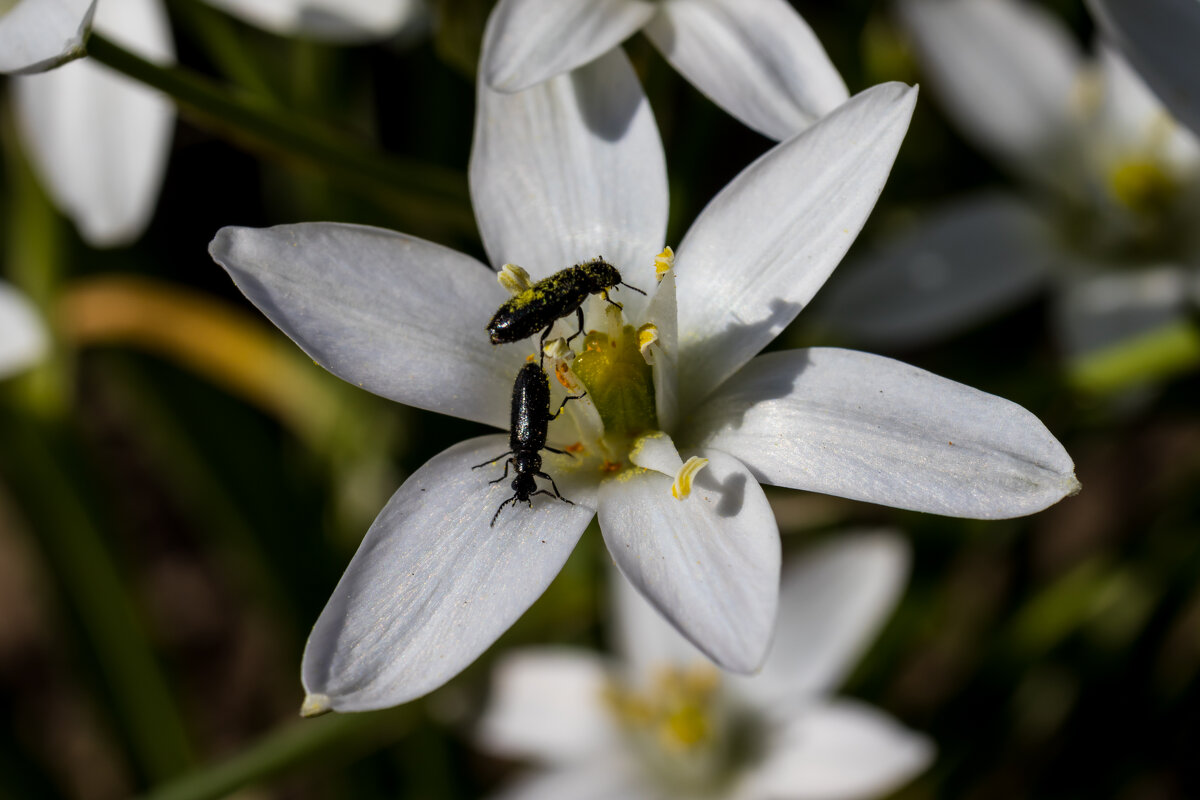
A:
x: 627, y: 286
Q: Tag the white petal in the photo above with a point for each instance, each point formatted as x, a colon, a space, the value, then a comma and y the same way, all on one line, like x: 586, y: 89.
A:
x: 344, y: 21
x: 36, y: 35
x: 1160, y: 38
x: 765, y: 244
x: 604, y: 778
x: 1134, y: 120
x: 645, y: 640
x: 99, y: 141
x: 708, y: 562
x: 572, y: 169
x: 841, y: 751
x: 394, y: 314
x: 832, y: 602
x: 662, y: 311
x: 432, y: 586
x: 759, y: 61
x: 1005, y: 71
x: 530, y: 41
x: 955, y: 267
x: 24, y: 340
x: 869, y: 428
x: 548, y: 704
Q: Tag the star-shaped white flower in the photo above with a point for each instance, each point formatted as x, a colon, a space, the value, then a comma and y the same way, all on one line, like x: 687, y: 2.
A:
x: 757, y: 60
x: 1112, y: 189
x: 568, y: 170
x: 662, y: 724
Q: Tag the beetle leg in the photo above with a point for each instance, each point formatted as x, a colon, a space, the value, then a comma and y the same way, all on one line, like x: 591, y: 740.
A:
x: 494, y: 460
x: 552, y: 483
x: 604, y: 294
x: 559, y: 496
x: 505, y: 475
x: 496, y: 516
x: 578, y: 316
x: 563, y: 403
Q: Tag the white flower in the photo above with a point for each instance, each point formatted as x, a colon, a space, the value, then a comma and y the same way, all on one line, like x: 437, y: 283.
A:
x: 342, y: 21
x: 1161, y: 38
x: 663, y: 724
x: 98, y: 141
x: 568, y: 170
x: 23, y: 337
x: 1112, y: 192
x: 41, y: 34
x: 757, y: 60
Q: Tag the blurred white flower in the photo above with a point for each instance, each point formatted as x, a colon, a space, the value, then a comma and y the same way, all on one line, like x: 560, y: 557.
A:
x: 568, y: 170
x: 98, y: 141
x: 41, y: 34
x: 757, y: 60
x: 662, y: 724
x: 340, y: 21
x: 1108, y: 218
x: 23, y: 337
x: 1161, y: 38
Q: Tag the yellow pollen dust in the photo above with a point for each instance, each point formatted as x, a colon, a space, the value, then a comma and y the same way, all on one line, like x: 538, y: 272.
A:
x: 663, y: 262
x: 677, y: 708
x: 682, y: 486
x: 1142, y: 186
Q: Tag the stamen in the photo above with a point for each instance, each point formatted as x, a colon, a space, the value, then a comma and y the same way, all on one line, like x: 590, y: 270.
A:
x: 558, y: 349
x: 514, y: 279
x: 687, y: 473
x: 664, y: 262
x: 646, y: 336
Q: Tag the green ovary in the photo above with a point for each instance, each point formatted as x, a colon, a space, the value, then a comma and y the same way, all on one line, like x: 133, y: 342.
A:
x: 619, y: 381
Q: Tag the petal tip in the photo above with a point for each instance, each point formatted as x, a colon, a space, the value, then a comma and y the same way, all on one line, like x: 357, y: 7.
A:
x: 315, y: 705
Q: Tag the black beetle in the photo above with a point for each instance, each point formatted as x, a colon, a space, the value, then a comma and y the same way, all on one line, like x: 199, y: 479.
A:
x: 527, y: 436
x: 542, y: 304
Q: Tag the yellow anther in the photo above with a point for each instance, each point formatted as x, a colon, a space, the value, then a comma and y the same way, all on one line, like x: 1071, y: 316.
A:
x: 514, y: 279
x: 682, y: 486
x: 559, y: 349
x: 664, y: 262
x: 646, y: 336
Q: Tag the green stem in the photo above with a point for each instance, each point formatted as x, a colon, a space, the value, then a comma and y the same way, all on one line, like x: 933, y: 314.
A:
x: 94, y: 589
x: 321, y: 742
x: 415, y: 191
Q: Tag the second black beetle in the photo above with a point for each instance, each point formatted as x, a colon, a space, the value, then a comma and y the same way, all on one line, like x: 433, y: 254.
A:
x: 529, y: 425
x: 545, y: 302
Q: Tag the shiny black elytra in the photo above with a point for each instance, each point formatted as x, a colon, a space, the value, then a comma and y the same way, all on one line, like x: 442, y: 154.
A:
x: 541, y: 305
x: 527, y: 436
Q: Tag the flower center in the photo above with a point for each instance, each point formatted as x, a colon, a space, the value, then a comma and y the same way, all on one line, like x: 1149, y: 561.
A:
x: 617, y: 377
x: 1142, y: 186
x: 686, y: 733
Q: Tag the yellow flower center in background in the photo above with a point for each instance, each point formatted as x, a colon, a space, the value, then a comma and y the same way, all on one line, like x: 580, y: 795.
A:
x: 1142, y: 186
x: 688, y: 734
